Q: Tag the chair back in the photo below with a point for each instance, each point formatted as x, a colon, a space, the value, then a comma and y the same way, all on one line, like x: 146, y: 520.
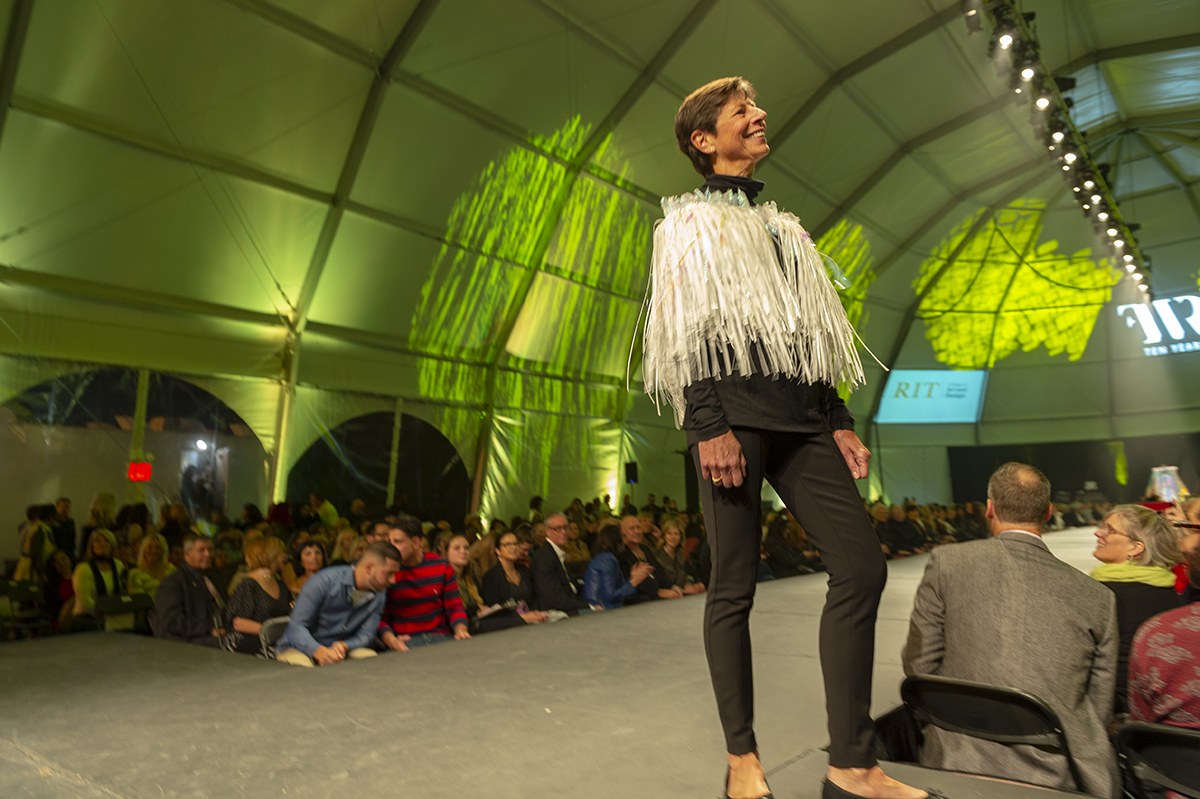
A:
x: 123, y: 603
x: 1159, y: 753
x: 270, y: 632
x: 990, y: 712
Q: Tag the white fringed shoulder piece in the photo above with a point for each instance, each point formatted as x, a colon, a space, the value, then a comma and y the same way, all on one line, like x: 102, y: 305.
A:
x: 717, y: 286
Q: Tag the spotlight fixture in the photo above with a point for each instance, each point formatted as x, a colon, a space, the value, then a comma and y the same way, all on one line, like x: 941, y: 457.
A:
x: 1130, y: 268
x: 1112, y: 231
x: 1043, y: 103
x: 1086, y: 206
x: 1128, y: 258
x: 1074, y: 188
x: 1066, y: 167
x: 1143, y: 287
x: 1070, y: 158
x: 1057, y: 135
x: 1097, y: 198
x: 1119, y: 243
x: 1136, y: 275
x: 201, y: 444
x: 1006, y: 41
x: 1102, y: 215
x: 1089, y: 184
x: 1052, y: 148
x: 1027, y: 74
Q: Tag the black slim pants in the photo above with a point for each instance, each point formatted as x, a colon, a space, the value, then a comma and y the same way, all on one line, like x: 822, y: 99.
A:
x: 810, y: 475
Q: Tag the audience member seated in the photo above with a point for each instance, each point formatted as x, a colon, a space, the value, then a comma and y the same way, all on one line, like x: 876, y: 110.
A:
x: 423, y: 606
x: 903, y: 534
x: 37, y: 544
x: 1136, y: 548
x: 101, y: 513
x: 672, y: 565
x: 310, y: 559
x: 552, y: 584
x: 100, y: 574
x: 458, y: 555
x: 1163, y: 681
x: 632, y: 553
x: 174, y: 525
x: 1004, y: 611
x: 58, y: 594
x: 784, y: 558
x: 604, y: 585
x: 578, y: 553
x: 510, y: 585
x: 151, y: 566
x: 337, y: 613
x: 343, y: 548
x: 1186, y: 519
x: 324, y: 510
x: 261, y: 596
x: 188, y: 604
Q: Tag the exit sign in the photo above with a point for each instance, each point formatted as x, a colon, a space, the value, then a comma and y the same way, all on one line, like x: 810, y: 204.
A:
x: 139, y: 472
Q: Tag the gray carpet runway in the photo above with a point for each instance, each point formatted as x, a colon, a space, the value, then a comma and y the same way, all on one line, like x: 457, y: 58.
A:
x: 615, y: 704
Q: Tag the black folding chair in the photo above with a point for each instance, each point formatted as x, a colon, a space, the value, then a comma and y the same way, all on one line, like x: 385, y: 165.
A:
x: 270, y: 632
x: 1161, y: 754
x: 990, y: 712
x: 138, y: 604
x: 26, y: 608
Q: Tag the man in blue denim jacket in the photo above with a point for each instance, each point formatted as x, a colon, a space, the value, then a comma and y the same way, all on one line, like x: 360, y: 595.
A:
x: 338, y: 610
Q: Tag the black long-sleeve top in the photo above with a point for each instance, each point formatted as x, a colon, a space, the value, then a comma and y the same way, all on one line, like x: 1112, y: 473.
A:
x: 714, y: 405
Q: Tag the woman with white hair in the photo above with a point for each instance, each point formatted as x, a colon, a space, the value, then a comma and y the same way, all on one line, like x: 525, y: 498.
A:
x: 1137, y: 548
x: 152, y: 565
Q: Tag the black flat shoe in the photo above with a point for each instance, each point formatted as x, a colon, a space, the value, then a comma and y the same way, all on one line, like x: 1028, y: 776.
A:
x: 831, y: 791
x: 725, y: 793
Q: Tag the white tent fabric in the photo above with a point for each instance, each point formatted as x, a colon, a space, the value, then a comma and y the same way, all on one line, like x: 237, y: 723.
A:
x: 450, y: 201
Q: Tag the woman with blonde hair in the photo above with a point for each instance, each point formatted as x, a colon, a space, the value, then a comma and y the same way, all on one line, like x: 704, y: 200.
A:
x: 261, y: 596
x: 343, y: 548
x: 101, y: 513
x: 483, y: 554
x: 100, y: 574
x: 151, y: 565
x: 672, y: 564
x: 1137, y: 548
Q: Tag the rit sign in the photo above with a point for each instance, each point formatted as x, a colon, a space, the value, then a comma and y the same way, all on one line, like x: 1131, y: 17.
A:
x: 1168, y: 325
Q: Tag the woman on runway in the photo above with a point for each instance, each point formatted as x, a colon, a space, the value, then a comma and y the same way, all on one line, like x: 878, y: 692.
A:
x: 746, y: 339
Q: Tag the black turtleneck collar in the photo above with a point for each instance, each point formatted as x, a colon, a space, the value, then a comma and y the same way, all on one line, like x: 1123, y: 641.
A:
x: 748, y: 186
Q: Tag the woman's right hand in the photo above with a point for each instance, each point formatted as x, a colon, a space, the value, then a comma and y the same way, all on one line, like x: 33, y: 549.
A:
x: 639, y: 573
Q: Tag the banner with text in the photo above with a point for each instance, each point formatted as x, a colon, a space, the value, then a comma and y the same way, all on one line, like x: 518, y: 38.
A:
x: 932, y: 396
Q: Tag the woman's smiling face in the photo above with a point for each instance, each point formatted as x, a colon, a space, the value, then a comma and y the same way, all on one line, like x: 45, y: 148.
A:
x: 741, y: 139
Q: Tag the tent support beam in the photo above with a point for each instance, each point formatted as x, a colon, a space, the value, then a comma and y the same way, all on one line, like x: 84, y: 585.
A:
x: 1172, y: 169
x: 394, y: 456
x: 354, y: 157
x: 10, y: 59
x: 937, y: 216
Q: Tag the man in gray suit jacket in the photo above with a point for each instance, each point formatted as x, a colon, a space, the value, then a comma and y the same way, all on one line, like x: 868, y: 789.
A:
x: 1004, y: 611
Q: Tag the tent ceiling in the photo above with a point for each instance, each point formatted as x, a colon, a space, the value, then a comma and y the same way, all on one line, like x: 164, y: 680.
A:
x: 346, y: 163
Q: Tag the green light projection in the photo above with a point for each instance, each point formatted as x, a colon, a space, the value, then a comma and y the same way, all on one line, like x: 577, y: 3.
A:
x: 1005, y: 290
x: 847, y: 245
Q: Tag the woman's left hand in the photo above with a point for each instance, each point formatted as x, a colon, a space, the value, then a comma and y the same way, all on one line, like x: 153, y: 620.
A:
x: 853, y: 451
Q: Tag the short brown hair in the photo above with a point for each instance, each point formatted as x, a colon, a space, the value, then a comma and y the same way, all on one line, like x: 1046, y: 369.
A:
x: 1020, y: 493
x: 699, y: 111
x: 262, y: 552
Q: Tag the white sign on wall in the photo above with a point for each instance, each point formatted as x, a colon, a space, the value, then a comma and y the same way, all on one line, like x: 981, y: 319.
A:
x: 1169, y: 325
x: 932, y: 396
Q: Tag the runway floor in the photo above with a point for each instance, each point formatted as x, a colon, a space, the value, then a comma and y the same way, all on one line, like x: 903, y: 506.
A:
x: 615, y: 704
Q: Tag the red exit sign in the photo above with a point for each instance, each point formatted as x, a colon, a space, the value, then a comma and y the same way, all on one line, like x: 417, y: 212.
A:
x: 139, y: 472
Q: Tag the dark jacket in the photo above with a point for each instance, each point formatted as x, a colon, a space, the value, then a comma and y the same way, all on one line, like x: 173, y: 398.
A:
x: 785, y: 558
x: 551, y: 583
x: 758, y: 401
x: 183, y: 608
x: 497, y: 590
x: 1136, y: 603
x: 603, y: 583
x: 647, y: 589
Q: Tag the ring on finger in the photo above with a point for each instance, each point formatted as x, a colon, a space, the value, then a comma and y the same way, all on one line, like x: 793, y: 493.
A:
x: 717, y: 480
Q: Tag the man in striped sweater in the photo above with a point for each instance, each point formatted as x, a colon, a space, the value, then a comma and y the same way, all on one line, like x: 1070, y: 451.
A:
x: 423, y: 606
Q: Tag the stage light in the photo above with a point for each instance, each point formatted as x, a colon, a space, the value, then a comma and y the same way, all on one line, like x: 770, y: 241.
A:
x: 1086, y: 207
x: 1136, y: 276
x: 1102, y: 215
x: 1006, y: 41
x: 1089, y: 184
x: 1066, y: 167
x: 1074, y: 188
x: 1051, y: 148
x: 972, y: 13
x: 1119, y: 243
x: 1057, y: 135
x: 1097, y: 198
x: 1017, y: 90
x: 1130, y: 267
x: 1043, y: 103
x: 1128, y: 258
x: 1143, y: 287
x: 1112, y: 231
x: 201, y: 444
x: 1070, y: 158
x: 1027, y: 74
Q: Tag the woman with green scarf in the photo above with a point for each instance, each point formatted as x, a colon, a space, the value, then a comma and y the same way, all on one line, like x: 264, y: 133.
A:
x: 1137, y: 549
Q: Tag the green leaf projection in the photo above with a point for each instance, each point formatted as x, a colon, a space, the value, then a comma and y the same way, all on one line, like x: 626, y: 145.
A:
x: 578, y: 317
x: 847, y: 245
x: 983, y: 298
